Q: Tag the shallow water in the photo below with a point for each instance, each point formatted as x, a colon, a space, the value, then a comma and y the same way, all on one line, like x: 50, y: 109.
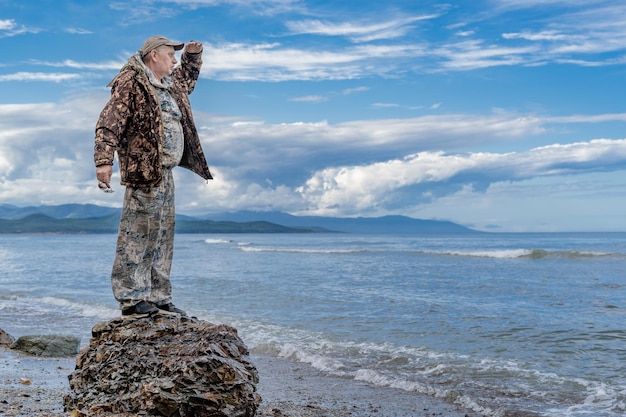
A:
x: 497, y: 323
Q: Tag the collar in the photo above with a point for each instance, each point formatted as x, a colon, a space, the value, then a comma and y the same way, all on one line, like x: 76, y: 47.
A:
x: 166, y: 82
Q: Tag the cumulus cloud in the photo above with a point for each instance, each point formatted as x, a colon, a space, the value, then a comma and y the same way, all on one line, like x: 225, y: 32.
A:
x: 322, y: 172
x: 287, y: 152
x: 376, y: 186
x: 47, y: 157
x: 47, y: 144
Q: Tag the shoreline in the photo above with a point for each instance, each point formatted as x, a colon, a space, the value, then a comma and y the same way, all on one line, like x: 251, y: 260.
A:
x: 34, y: 387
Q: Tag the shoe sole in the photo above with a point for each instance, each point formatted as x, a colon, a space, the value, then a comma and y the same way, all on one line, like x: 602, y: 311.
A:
x: 134, y: 316
x: 167, y: 313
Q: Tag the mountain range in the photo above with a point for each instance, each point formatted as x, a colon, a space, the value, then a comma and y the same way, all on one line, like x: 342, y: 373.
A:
x: 89, y: 218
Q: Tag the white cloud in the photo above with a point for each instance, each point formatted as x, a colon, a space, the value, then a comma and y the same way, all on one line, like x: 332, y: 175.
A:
x: 10, y: 28
x: 546, y: 35
x: 69, y: 63
x: 474, y: 54
x: 584, y: 36
x: 48, y: 141
x: 290, y: 150
x: 141, y: 12
x: 357, y: 189
x: 39, y: 76
x: 576, y: 203
x: 273, y: 62
x: 7, y: 24
x: 78, y: 31
x: 310, y: 99
x: 527, y: 4
x: 355, y: 90
x: 150, y: 10
x: 399, y: 106
x: 386, y: 105
x: 47, y: 156
x: 581, y: 33
x: 358, y: 31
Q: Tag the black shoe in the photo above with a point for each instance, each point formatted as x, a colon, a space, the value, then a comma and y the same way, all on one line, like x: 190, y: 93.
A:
x: 171, y: 308
x: 141, y: 309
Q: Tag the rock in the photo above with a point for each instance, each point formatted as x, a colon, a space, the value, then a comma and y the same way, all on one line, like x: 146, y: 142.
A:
x: 170, y: 366
x: 47, y: 345
x: 6, y: 339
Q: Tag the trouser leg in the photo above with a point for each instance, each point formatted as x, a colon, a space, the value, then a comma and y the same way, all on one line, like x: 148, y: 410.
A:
x: 145, y: 245
x: 164, y: 250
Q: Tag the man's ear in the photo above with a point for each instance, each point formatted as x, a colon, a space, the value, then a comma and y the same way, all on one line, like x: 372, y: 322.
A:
x: 150, y: 57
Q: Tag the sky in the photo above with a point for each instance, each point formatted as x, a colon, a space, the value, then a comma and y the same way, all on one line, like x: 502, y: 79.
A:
x: 499, y: 115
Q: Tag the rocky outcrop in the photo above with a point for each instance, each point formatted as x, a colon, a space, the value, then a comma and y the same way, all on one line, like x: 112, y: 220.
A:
x: 6, y: 339
x: 47, y: 345
x: 170, y: 366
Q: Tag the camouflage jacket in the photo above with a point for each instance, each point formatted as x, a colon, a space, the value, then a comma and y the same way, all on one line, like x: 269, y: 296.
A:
x: 131, y: 124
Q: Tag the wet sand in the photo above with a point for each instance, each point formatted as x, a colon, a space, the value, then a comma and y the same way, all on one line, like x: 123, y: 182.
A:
x: 31, y: 386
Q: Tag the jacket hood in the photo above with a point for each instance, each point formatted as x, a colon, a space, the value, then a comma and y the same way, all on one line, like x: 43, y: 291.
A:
x: 136, y: 65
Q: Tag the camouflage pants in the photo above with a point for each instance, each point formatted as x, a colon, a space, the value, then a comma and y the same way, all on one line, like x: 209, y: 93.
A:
x: 145, y: 245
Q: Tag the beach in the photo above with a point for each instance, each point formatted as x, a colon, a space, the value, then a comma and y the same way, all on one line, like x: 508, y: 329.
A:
x: 34, y: 387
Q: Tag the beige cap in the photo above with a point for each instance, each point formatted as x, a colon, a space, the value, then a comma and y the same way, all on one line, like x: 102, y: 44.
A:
x: 154, y: 42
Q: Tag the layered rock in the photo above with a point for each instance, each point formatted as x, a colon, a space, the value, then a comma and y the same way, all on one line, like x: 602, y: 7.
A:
x: 170, y: 366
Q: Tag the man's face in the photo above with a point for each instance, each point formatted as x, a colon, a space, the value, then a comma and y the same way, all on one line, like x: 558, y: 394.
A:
x: 163, y: 61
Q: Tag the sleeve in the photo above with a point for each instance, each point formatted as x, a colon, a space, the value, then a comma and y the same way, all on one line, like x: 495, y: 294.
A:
x: 187, y: 73
x: 112, y: 122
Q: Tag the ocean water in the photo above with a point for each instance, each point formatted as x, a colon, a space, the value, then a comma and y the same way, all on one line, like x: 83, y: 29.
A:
x: 501, y: 324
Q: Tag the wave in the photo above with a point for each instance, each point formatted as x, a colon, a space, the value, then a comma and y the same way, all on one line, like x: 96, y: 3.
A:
x: 488, y: 387
x: 84, y: 309
x: 526, y: 253
x: 499, y: 253
x: 301, y: 250
x: 365, y: 247
x: 216, y: 241
x: 570, y: 254
x: 484, y: 253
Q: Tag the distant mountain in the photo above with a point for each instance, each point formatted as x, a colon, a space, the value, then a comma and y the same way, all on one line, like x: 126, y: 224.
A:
x: 375, y: 225
x: 65, y: 211
x: 39, y: 223
x: 89, y: 218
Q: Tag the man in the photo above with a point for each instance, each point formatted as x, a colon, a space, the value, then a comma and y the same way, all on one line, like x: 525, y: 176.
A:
x: 148, y: 122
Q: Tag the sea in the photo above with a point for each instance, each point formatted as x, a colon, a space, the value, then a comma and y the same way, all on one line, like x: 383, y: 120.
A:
x: 499, y: 324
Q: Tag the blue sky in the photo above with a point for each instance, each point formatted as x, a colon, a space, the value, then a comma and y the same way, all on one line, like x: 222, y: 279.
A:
x: 501, y: 115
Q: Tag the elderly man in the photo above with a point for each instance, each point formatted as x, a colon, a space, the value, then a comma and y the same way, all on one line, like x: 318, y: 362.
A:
x: 148, y: 122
